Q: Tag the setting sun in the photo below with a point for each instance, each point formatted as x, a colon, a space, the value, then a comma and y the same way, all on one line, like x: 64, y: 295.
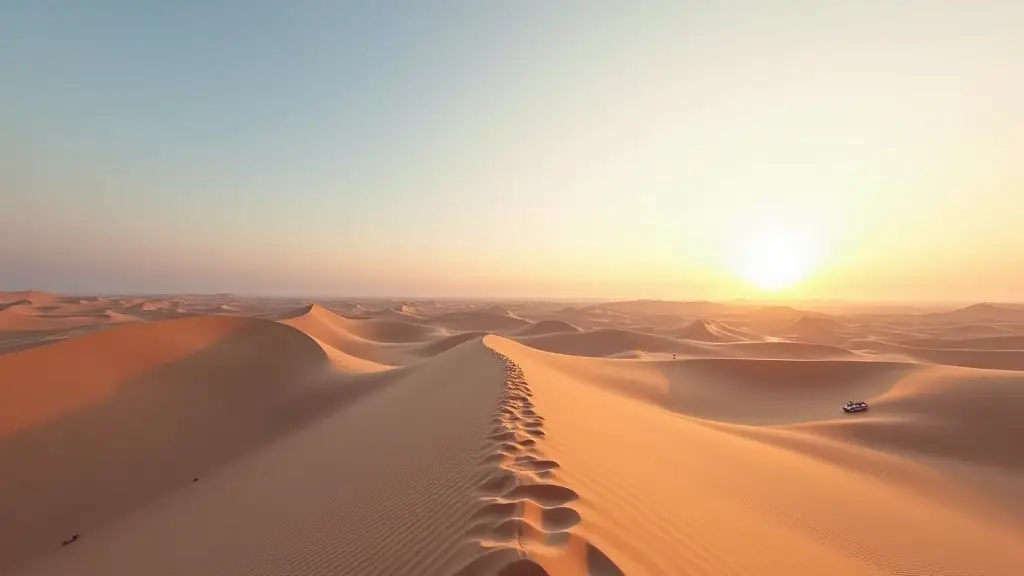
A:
x: 773, y: 261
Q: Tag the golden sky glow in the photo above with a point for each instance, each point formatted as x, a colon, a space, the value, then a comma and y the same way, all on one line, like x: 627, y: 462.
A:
x: 784, y: 148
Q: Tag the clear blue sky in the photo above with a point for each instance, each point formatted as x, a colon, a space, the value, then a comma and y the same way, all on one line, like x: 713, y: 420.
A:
x: 511, y: 148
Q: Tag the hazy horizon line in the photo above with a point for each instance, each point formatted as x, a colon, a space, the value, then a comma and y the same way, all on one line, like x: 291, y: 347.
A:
x: 513, y: 298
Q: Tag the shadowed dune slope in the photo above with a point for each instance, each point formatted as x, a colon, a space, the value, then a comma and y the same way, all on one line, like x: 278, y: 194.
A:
x: 665, y: 494
x: 391, y: 486
x: 101, y: 424
x: 442, y: 345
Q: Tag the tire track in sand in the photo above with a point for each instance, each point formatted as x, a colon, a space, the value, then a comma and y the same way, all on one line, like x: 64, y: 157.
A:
x: 525, y: 520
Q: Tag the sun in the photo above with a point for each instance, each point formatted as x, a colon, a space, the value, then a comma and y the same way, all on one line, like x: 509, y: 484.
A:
x: 774, y: 261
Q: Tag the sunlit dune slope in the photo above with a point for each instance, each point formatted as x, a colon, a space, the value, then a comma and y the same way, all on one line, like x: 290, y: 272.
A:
x: 395, y: 484
x: 95, y: 426
x: 669, y: 482
x: 983, y: 312
x: 23, y: 318
x: 984, y: 343
x: 615, y: 342
x: 963, y: 414
x: 705, y: 330
x: 607, y: 342
x: 28, y: 297
x: 547, y: 327
x: 741, y: 390
x: 371, y: 344
x: 977, y: 358
x: 374, y: 330
x: 498, y: 320
x: 814, y: 330
x: 962, y: 331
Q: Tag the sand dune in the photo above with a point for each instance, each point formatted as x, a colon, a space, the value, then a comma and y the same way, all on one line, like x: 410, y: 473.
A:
x: 814, y: 330
x: 28, y: 297
x: 609, y: 342
x: 985, y: 343
x: 624, y: 343
x: 396, y: 485
x: 447, y: 438
x: 984, y: 312
x: 480, y: 320
x: 548, y: 327
x: 368, y: 343
x: 96, y: 426
x: 703, y: 497
x: 374, y: 330
x: 705, y: 330
x: 961, y: 414
x: 969, y: 358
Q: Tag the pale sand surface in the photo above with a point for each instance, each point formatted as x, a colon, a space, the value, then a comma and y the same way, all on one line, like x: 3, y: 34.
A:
x: 224, y: 435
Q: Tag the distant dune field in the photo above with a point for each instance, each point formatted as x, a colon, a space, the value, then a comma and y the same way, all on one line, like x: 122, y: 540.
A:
x: 229, y: 436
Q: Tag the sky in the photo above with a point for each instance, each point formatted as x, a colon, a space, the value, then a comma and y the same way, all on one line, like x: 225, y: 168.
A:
x: 869, y: 150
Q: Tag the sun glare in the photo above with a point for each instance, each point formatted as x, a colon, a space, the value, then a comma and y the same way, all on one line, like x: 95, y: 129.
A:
x: 773, y: 262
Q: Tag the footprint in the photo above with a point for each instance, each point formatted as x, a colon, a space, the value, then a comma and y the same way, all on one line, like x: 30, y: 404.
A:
x: 498, y: 510
x: 506, y: 436
x: 536, y: 465
x: 508, y: 448
x: 518, y: 530
x: 560, y: 519
x: 547, y: 495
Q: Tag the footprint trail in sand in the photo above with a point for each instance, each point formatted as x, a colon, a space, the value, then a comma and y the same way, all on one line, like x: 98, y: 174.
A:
x: 526, y: 520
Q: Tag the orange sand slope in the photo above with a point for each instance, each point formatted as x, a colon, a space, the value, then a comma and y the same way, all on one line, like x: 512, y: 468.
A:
x: 226, y: 436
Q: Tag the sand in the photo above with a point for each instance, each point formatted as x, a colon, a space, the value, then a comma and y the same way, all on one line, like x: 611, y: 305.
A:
x: 223, y: 435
